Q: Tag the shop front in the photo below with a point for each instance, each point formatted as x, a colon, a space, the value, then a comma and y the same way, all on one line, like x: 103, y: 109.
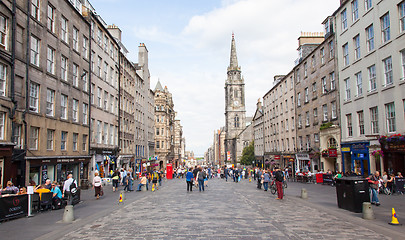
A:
x: 57, y: 168
x: 356, y: 158
x: 8, y: 170
x: 302, y: 162
x: 105, y: 161
x: 394, y: 153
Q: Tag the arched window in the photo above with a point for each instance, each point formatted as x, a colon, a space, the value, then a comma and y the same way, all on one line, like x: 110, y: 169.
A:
x: 332, y: 143
x: 236, y: 121
x: 236, y: 93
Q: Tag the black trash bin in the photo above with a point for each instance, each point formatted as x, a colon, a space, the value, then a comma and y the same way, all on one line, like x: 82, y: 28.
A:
x: 351, y: 192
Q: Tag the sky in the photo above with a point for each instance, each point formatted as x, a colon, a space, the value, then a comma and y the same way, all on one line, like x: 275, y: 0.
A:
x: 189, y: 43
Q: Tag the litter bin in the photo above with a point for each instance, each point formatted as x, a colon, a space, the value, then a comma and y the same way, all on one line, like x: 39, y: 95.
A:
x: 351, y: 192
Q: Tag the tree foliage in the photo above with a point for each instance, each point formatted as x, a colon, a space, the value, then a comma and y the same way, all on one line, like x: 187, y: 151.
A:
x: 248, y: 154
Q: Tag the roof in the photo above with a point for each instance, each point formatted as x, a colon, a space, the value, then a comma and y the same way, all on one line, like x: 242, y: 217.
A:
x: 159, y: 87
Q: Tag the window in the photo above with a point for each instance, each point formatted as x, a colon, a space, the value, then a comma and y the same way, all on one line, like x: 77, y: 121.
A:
x: 390, y: 117
x: 372, y: 78
x: 75, y: 110
x: 368, y: 4
x: 75, y: 75
x: 50, y: 66
x: 292, y: 123
x: 98, y: 134
x: 3, y: 79
x: 299, y: 100
x: 356, y: 43
x: 112, y: 103
x: 370, y: 38
x: 299, y: 121
x: 355, y: 10
x: 63, y: 68
x: 99, y: 36
x: 34, y: 51
x: 286, y: 125
x: 85, y: 47
x: 3, y: 32
x: 292, y: 102
x: 17, y: 136
x: 99, y: 92
x: 343, y: 17
x: 332, y: 143
x: 75, y: 139
x: 236, y: 124
x: 331, y: 51
x: 385, y: 28
x: 105, y: 133
x: 314, y: 89
x: 401, y: 7
x: 332, y: 81
x: 110, y: 138
x: 306, y: 95
x: 106, y: 41
x: 157, y: 144
x: 84, y: 143
x: 316, y: 137
x: 50, y: 102
x: 403, y: 64
x: 349, y: 125
x: 305, y: 70
x: 157, y: 131
x: 84, y: 79
x: 322, y: 54
x: 347, y: 89
x: 374, y: 120
x: 388, y: 71
x: 307, y: 119
x: 298, y: 75
x: 112, y: 76
x: 50, y: 139
x: 64, y: 29
x: 105, y: 76
x: 93, y: 87
x: 313, y: 62
x: 34, y: 134
x: 323, y: 81
x: 63, y: 140
x: 85, y: 113
x: 334, y: 110
x: 308, y: 139
x: 359, y: 84
x: 99, y: 61
x: 315, y: 111
x: 92, y: 60
x: 105, y: 100
x: 360, y: 117
x: 75, y: 39
x: 325, y: 112
x: 34, y: 97
x: 2, y: 125
x: 63, y: 106
x: 51, y: 19
x: 35, y: 9
x: 345, y: 54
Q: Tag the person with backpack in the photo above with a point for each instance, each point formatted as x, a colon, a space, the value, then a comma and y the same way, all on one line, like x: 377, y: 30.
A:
x: 279, y: 176
x: 69, y: 189
x: 189, y: 180
x: 200, y: 177
x: 155, y: 178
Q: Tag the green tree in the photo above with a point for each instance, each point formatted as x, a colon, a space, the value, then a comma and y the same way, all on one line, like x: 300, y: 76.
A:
x: 248, y: 154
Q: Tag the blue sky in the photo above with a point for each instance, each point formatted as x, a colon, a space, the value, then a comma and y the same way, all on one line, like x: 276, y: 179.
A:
x: 189, y: 47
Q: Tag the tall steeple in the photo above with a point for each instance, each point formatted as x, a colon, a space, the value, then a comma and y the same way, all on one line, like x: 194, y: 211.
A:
x: 234, y: 59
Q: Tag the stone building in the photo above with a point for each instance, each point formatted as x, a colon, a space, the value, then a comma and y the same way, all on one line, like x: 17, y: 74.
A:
x: 317, y: 102
x: 258, y: 134
x: 164, y: 126
x: 104, y: 122
x: 178, y: 137
x: 279, y: 122
x: 371, y: 58
x: 48, y: 86
x: 235, y: 112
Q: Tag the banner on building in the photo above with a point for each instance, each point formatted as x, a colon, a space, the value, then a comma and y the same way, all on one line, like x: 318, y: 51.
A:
x: 228, y: 155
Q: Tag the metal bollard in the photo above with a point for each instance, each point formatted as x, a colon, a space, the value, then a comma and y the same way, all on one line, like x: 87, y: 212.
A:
x: 68, y: 216
x: 368, y: 213
x: 304, y: 194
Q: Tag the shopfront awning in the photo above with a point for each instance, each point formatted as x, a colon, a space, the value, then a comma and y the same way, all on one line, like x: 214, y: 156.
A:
x: 302, y: 156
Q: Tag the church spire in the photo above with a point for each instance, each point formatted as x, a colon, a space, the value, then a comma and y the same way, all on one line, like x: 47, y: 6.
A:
x: 234, y: 59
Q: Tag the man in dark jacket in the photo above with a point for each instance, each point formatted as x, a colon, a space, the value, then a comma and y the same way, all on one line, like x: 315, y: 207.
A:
x: 259, y: 178
x: 279, y: 176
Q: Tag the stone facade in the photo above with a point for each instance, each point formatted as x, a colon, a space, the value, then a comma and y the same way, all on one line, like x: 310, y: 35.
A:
x: 370, y: 48
x: 235, y: 112
x: 258, y: 133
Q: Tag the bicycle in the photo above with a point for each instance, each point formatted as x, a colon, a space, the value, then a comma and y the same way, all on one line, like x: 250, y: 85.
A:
x: 273, y: 187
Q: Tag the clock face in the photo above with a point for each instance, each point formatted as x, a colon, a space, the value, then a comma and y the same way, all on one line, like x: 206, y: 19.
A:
x: 236, y: 103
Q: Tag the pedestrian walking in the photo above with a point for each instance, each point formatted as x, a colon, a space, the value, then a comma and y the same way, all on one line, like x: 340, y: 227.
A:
x: 126, y: 182
x: 189, y: 179
x: 67, y: 188
x: 155, y: 178
x: 259, y: 178
x: 200, y: 177
x: 115, y: 180
x: 97, y: 185
x: 226, y: 172
x: 266, y: 180
x: 279, y: 176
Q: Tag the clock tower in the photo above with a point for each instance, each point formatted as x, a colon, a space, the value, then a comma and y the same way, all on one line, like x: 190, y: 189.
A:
x: 235, y: 112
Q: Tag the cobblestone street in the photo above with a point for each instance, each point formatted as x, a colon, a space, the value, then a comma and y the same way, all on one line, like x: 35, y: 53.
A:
x: 226, y: 210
